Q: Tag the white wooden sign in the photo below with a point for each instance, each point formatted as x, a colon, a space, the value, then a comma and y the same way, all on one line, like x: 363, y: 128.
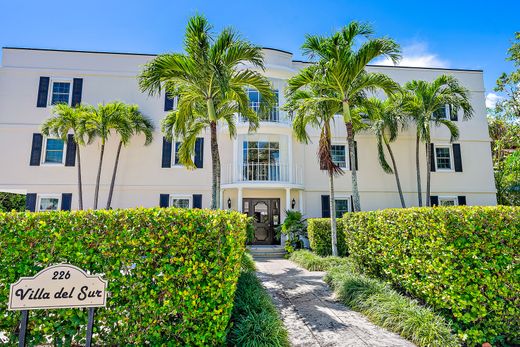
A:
x: 58, y: 286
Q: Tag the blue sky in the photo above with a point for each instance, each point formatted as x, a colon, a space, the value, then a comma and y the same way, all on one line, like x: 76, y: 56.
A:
x: 457, y: 34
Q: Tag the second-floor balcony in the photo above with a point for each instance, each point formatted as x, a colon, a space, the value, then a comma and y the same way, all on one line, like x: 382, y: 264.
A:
x: 262, y: 173
x: 274, y: 116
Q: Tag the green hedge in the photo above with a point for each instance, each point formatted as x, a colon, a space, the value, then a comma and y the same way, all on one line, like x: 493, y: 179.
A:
x: 313, y: 262
x: 318, y: 230
x: 463, y: 261
x: 171, y: 273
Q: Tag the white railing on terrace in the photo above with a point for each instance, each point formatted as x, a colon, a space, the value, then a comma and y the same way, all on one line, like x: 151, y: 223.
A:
x: 275, y: 115
x: 262, y: 172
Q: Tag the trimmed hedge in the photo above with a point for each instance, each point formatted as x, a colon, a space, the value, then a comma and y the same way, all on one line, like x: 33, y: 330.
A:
x: 318, y: 230
x: 463, y: 261
x: 171, y: 273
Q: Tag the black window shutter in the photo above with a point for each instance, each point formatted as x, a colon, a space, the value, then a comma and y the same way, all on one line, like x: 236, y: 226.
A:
x: 43, y: 92
x: 77, y: 89
x: 453, y: 113
x: 199, y: 152
x: 70, y: 158
x: 461, y: 200
x: 432, y: 157
x: 164, y: 200
x: 352, y: 203
x: 168, y: 102
x: 457, y: 158
x: 325, y: 206
x: 36, y: 150
x: 197, y: 200
x: 434, y: 200
x: 355, y: 157
x: 66, y: 201
x: 30, y: 202
x: 166, y: 153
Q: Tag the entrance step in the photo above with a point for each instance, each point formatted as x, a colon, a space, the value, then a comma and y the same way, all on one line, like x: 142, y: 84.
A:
x: 267, y: 251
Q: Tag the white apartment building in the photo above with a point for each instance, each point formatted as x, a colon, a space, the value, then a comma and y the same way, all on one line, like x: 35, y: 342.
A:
x: 263, y: 173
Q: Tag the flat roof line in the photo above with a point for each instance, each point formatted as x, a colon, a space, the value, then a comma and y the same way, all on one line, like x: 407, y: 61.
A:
x: 268, y: 48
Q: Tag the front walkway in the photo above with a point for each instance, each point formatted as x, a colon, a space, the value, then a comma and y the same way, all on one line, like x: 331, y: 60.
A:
x: 310, y: 313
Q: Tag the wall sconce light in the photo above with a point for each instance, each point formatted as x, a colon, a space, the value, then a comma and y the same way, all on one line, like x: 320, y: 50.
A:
x: 293, y: 203
x: 229, y: 202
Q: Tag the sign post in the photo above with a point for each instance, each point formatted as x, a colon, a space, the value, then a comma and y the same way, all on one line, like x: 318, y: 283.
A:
x: 58, y: 286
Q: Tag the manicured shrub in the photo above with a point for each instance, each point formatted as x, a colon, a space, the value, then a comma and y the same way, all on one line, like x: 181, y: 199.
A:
x: 463, y: 261
x: 318, y: 230
x: 171, y: 273
x: 389, y: 309
x: 312, y: 262
x: 255, y: 320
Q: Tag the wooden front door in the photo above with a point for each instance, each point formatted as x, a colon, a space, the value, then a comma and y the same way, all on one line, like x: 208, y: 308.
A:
x: 266, y: 216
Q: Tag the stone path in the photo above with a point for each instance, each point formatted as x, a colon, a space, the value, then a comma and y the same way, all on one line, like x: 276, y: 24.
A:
x: 310, y: 313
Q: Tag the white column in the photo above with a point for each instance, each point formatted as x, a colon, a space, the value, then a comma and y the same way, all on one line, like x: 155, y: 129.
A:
x: 300, y: 202
x: 290, y: 161
x: 287, y: 198
x: 221, y: 198
x: 234, y: 165
x: 239, y: 200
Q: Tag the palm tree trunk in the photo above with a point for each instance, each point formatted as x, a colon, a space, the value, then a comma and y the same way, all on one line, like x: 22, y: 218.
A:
x: 428, y: 172
x: 113, y: 181
x: 98, y: 178
x: 333, y: 226
x: 396, y: 174
x: 215, y: 161
x: 352, y: 156
x: 80, y: 183
x: 418, y: 169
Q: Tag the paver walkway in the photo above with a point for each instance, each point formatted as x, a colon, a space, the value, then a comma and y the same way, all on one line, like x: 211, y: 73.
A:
x: 310, y: 313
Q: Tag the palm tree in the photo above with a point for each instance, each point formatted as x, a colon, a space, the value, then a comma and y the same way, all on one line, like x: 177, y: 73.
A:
x: 386, y: 118
x: 422, y: 100
x: 136, y: 124
x: 100, y: 123
x: 310, y: 108
x: 210, y: 81
x: 68, y: 119
x: 344, y: 71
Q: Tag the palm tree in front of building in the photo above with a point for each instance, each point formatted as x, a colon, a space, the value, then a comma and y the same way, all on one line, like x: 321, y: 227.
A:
x: 386, y: 119
x: 65, y: 120
x: 101, y: 122
x: 311, y: 107
x: 134, y: 123
x: 209, y: 79
x: 422, y: 102
x: 343, y: 66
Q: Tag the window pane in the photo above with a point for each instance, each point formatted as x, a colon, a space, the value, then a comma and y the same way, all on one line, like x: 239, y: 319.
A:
x: 443, y: 158
x: 338, y: 155
x: 176, y: 154
x: 49, y: 204
x: 60, y: 93
x: 54, y: 151
x: 181, y: 203
x: 447, y: 202
x: 341, y: 207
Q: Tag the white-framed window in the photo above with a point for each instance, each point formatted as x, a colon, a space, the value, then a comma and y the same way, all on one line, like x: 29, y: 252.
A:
x: 255, y: 101
x: 53, y: 151
x: 342, y: 206
x: 175, y: 152
x: 60, y: 92
x: 339, y: 155
x: 443, y: 112
x: 48, y: 202
x: 181, y: 201
x: 448, y: 201
x: 443, y: 158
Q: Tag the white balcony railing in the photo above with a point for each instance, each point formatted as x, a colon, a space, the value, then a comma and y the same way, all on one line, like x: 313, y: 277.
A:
x: 262, y: 172
x: 274, y: 116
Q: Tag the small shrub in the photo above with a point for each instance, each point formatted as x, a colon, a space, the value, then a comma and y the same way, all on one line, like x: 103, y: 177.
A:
x: 320, y: 238
x: 312, y: 262
x: 463, y: 261
x: 171, y: 273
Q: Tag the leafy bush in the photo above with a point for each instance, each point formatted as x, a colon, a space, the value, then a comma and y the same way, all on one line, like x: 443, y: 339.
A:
x: 295, y: 228
x: 389, y: 309
x: 320, y: 239
x: 171, y: 273
x: 255, y: 320
x: 11, y: 202
x: 312, y: 262
x: 463, y: 261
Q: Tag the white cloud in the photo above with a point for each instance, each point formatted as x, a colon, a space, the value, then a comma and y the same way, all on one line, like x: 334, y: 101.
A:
x: 492, y: 99
x: 417, y: 55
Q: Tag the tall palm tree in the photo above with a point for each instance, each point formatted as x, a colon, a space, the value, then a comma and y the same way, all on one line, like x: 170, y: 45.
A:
x: 386, y: 118
x: 311, y: 108
x: 135, y: 124
x: 101, y: 123
x: 343, y: 66
x: 68, y: 119
x: 209, y: 78
x: 422, y: 100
